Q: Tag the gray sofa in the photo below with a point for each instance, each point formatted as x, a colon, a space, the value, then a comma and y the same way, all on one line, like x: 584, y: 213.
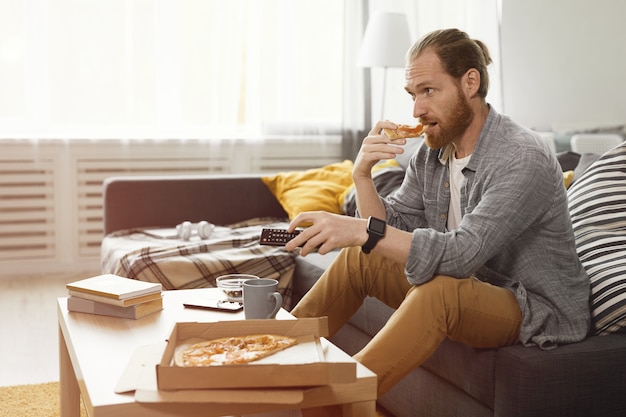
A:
x: 582, y: 379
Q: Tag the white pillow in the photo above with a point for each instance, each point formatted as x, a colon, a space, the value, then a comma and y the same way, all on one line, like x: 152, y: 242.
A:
x: 412, y: 145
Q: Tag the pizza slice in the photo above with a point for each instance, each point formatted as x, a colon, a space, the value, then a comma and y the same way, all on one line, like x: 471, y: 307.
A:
x: 405, y: 131
x: 232, y: 350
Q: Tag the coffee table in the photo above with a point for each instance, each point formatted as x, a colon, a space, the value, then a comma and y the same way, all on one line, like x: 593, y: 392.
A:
x: 94, y: 352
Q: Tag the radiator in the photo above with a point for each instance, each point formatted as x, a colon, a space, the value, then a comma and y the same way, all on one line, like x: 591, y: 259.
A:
x: 51, y: 190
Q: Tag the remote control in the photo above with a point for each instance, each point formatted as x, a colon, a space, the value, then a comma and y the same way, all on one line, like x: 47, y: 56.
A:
x: 277, y: 237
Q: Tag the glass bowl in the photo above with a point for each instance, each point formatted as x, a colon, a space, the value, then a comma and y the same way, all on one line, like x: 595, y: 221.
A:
x: 232, y: 285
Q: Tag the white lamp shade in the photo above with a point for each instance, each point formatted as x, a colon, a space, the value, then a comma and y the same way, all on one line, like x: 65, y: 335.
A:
x: 386, y: 41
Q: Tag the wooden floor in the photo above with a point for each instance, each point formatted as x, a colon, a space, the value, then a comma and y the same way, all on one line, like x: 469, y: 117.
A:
x: 28, y: 321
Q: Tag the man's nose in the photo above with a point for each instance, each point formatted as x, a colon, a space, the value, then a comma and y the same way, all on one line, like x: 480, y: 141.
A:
x: 418, y: 108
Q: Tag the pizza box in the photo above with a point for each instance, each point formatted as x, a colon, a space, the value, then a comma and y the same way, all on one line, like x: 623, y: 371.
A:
x: 301, y: 365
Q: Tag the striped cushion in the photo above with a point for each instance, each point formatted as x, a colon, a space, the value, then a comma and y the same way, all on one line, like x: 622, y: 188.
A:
x: 597, y: 204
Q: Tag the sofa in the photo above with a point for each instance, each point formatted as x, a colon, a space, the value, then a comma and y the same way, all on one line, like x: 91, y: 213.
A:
x: 581, y: 379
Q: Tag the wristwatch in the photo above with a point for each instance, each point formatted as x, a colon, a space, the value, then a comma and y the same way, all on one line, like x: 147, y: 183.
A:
x: 376, y: 230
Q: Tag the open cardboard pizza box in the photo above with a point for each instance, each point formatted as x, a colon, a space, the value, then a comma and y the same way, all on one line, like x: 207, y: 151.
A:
x: 301, y: 365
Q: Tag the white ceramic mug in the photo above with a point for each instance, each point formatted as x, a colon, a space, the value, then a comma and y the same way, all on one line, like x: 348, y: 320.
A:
x: 261, y: 299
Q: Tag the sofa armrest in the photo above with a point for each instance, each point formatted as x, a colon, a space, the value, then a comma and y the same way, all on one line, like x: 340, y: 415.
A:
x: 165, y: 201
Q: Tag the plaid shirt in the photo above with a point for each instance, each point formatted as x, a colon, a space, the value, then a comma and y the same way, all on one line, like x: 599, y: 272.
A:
x: 515, y: 231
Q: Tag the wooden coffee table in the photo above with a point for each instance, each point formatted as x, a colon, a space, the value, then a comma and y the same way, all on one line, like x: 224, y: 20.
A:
x: 94, y: 352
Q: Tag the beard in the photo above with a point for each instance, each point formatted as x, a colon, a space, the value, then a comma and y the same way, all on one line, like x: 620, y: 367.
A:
x: 460, y: 117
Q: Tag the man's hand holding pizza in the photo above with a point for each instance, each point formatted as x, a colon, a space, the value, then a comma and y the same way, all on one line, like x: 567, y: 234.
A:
x: 330, y: 231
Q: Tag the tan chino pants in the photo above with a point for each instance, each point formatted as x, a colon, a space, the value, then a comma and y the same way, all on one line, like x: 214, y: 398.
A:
x: 465, y: 310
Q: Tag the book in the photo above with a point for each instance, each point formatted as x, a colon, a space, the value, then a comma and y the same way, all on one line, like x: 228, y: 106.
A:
x: 136, y: 311
x: 122, y: 303
x: 114, y: 286
x: 166, y: 233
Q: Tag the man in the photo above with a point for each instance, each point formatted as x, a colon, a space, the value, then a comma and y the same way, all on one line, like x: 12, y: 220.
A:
x: 477, y: 246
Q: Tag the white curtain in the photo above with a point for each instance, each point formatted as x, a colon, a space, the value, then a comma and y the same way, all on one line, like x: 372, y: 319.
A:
x: 207, y: 68
x: 170, y: 68
x: 356, y: 81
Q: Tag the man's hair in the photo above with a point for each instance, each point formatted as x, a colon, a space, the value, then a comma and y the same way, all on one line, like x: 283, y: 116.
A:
x: 457, y: 53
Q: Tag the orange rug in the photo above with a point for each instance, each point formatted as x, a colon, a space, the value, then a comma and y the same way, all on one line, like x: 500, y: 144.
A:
x: 41, y: 400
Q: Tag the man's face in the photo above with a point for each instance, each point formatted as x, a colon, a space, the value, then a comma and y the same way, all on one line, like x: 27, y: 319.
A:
x: 439, y: 101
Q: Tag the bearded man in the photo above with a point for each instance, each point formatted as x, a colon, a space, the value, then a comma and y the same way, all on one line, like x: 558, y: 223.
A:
x: 476, y: 245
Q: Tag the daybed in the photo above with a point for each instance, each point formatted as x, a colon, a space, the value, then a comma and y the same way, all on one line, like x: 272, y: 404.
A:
x: 582, y: 379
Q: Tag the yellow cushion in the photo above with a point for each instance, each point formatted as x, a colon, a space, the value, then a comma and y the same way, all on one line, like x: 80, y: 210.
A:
x: 311, y: 190
x: 568, y: 177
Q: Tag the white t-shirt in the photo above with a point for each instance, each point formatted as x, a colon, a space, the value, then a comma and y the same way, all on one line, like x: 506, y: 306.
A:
x: 456, y: 182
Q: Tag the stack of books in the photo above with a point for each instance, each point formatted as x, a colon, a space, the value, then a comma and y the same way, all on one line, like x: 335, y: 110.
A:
x: 112, y: 295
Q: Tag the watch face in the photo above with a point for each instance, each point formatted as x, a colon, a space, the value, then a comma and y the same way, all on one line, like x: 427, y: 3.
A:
x: 376, y: 226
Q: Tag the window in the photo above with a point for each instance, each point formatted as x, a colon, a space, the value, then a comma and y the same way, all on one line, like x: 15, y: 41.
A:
x: 188, y: 68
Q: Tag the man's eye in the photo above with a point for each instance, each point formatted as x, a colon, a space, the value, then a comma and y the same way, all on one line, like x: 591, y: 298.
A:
x: 429, y: 91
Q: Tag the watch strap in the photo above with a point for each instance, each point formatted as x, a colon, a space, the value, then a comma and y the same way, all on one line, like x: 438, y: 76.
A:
x: 371, y: 242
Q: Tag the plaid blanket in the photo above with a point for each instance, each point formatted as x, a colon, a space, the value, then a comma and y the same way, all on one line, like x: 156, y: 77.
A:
x: 157, y: 255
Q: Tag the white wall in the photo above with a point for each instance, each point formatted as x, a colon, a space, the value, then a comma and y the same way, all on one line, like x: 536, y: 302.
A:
x: 564, y: 62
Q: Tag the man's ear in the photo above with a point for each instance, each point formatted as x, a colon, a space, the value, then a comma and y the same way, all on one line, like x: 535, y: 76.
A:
x: 472, y: 81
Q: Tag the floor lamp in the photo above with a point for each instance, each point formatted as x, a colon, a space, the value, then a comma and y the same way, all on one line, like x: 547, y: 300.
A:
x: 385, y: 44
